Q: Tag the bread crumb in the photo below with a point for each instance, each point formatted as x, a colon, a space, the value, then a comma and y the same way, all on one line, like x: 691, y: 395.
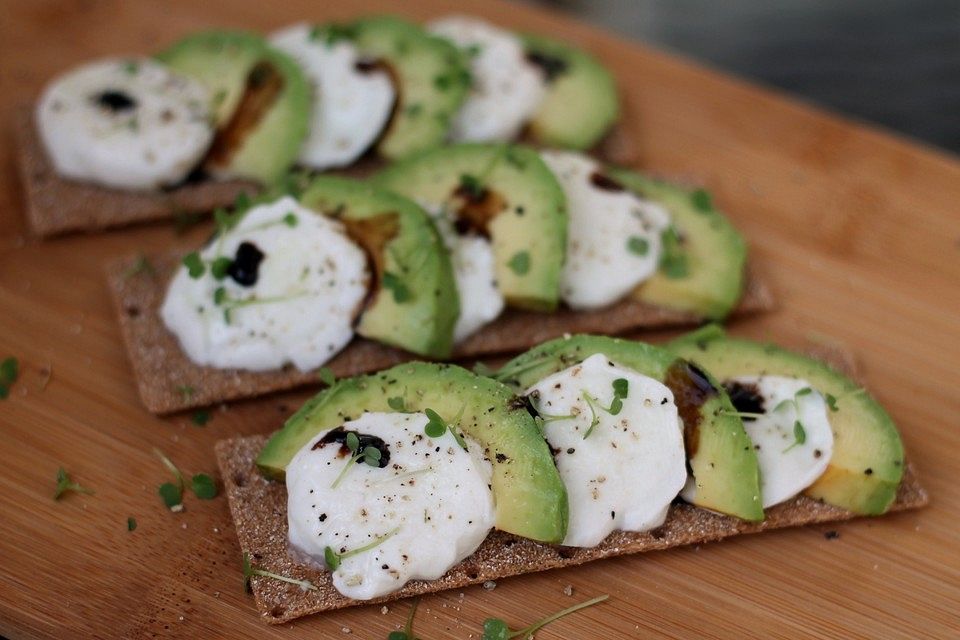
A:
x: 568, y: 590
x: 345, y: 630
x: 489, y: 585
x: 384, y: 610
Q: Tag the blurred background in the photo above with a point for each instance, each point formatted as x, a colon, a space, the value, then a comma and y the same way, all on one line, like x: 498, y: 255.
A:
x: 893, y: 62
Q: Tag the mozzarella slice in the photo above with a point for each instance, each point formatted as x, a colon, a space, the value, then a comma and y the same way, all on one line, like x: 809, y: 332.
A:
x: 430, y: 506
x: 352, y: 100
x: 129, y: 124
x: 474, y: 270
x: 506, y: 89
x: 310, y: 283
x: 613, y: 237
x: 625, y: 473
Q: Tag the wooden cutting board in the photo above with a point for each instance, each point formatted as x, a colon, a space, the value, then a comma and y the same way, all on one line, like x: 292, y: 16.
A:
x: 858, y: 230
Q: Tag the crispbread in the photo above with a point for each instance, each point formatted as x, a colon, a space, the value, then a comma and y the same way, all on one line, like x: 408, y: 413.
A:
x: 259, y: 510
x: 164, y: 373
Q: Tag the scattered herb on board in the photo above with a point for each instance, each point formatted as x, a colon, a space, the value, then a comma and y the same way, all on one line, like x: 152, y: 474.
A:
x: 520, y: 263
x: 249, y: 571
x: 333, y: 558
x: 497, y: 629
x: 65, y: 485
x: 200, y: 418
x: 141, y: 265
x: 407, y: 633
x: 131, y: 524
x: 171, y: 492
x: 203, y: 486
x: 9, y: 372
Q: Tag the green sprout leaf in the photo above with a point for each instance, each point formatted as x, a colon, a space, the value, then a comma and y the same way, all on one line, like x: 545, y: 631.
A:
x: 482, y: 369
x: 701, y: 200
x: 249, y: 571
x: 334, y: 559
x: 392, y: 282
x: 407, y: 633
x: 520, y: 263
x: 327, y: 377
x: 172, y: 496
x: 497, y: 629
x: 471, y: 186
x: 219, y: 268
x: 799, y: 433
x: 673, y: 260
x: 832, y: 402
x: 435, y: 427
x: 397, y: 403
x: 638, y: 246
x: 194, y: 265
x: 200, y: 418
x: 353, y: 442
x: 131, y: 524
x: 9, y: 372
x: 203, y: 486
x: 65, y: 485
x: 291, y: 219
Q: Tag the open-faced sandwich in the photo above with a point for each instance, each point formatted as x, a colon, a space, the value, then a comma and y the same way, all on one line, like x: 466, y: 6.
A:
x: 458, y: 251
x: 425, y: 477
x: 123, y: 139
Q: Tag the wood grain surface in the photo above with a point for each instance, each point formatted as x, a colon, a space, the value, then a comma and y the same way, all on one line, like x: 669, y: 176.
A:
x: 859, y: 231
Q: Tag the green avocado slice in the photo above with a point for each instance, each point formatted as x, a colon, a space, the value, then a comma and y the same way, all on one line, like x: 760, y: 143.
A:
x: 531, y: 500
x: 431, y: 75
x: 702, y: 270
x: 719, y: 452
x: 505, y: 192
x: 867, y: 463
x: 414, y: 304
x: 581, y: 103
x: 261, y: 101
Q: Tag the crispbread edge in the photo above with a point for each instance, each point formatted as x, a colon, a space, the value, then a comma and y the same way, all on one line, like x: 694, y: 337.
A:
x: 259, y: 508
x: 163, y: 371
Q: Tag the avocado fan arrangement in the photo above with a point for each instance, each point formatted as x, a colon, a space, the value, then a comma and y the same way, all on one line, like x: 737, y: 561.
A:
x: 382, y: 191
x: 426, y: 477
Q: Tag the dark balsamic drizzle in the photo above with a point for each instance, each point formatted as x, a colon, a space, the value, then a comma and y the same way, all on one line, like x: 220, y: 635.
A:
x: 691, y: 390
x: 601, y: 181
x: 246, y: 264
x: 552, y: 66
x: 115, y: 101
x: 339, y: 436
x: 746, y: 398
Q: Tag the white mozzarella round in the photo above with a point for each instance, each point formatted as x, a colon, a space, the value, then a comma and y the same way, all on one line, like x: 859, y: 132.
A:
x: 432, y: 496
x: 352, y: 101
x: 125, y: 123
x: 788, y: 466
x: 506, y: 88
x: 613, y: 237
x: 474, y: 270
x: 625, y: 473
x: 311, y: 284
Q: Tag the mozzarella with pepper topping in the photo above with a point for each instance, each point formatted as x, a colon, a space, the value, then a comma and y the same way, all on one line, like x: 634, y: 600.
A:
x: 506, y: 89
x: 430, y: 506
x: 129, y: 124
x: 613, y: 236
x: 352, y: 97
x: 295, y: 284
x: 626, y: 471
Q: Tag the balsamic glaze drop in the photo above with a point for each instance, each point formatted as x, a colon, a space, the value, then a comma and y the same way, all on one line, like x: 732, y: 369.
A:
x: 552, y: 66
x: 745, y: 398
x: 339, y: 436
x: 246, y: 264
x: 605, y: 182
x: 115, y: 101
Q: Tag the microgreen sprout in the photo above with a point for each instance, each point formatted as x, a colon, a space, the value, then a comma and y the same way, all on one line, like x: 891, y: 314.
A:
x: 483, y: 369
x: 407, y: 633
x: 333, y: 558
x: 229, y: 304
x: 638, y: 245
x: 171, y: 492
x: 203, y: 486
x: 66, y: 485
x: 620, y: 390
x: 673, y: 260
x: 220, y: 267
x: 471, y: 185
x: 799, y: 433
x: 370, y: 456
x: 436, y: 426
x: 195, y: 265
x: 397, y: 403
x: 701, y: 200
x: 249, y: 571
x: 401, y: 293
x: 141, y: 265
x: 326, y: 376
x: 200, y: 418
x: 9, y: 372
x: 497, y: 629
x: 520, y: 263
x: 131, y: 524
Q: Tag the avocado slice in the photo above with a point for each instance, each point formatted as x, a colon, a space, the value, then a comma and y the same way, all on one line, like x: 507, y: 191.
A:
x: 702, y: 270
x: 867, y: 463
x: 720, y: 455
x: 505, y: 192
x: 581, y: 103
x: 261, y: 101
x: 414, y: 304
x: 530, y: 497
x: 431, y: 75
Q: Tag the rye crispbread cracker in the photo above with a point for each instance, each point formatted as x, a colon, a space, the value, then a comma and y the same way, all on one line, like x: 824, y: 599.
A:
x: 259, y: 510
x: 57, y: 205
x: 164, y: 372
